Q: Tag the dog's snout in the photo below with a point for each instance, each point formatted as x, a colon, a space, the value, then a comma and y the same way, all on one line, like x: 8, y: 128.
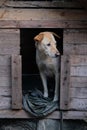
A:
x: 56, y: 55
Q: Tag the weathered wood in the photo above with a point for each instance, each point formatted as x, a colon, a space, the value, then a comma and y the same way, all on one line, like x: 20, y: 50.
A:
x: 25, y: 115
x: 5, y: 102
x: 78, y: 82
x: 5, y: 71
x: 78, y: 71
x: 5, y: 81
x: 34, y: 14
x: 78, y: 92
x: 45, y: 4
x: 12, y: 114
x: 5, y: 91
x: 78, y: 60
x: 75, y: 41
x: 65, y: 82
x: 80, y: 115
x: 5, y: 65
x: 9, y: 41
x: 5, y: 60
x: 78, y: 104
x: 78, y: 36
x: 33, y: 18
x: 75, y: 49
x: 16, y: 82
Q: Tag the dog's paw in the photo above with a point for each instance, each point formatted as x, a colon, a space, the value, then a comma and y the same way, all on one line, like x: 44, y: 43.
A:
x: 46, y: 95
x: 55, y: 98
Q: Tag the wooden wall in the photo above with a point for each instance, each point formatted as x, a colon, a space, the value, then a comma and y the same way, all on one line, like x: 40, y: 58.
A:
x: 9, y: 45
x: 73, y: 84
x: 74, y: 75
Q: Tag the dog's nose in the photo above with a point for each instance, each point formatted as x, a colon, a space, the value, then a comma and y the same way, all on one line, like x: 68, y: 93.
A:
x: 56, y: 55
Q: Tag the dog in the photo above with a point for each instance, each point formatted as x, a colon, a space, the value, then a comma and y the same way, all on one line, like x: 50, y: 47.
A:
x: 47, y: 59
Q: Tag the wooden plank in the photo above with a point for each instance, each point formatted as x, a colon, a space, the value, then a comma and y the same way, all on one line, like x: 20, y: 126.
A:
x: 75, y: 36
x: 75, y: 41
x: 41, y: 4
x: 34, y: 14
x: 76, y: 115
x: 78, y: 60
x: 5, y: 102
x: 78, y: 92
x: 33, y: 18
x: 5, y: 60
x: 78, y: 71
x: 9, y: 41
x: 78, y: 104
x: 78, y: 82
x: 5, y: 71
x: 65, y: 82
x: 5, y: 81
x: 43, y: 23
x: 5, y: 91
x: 5, y: 65
x: 75, y: 49
x: 16, y: 82
x: 11, y: 114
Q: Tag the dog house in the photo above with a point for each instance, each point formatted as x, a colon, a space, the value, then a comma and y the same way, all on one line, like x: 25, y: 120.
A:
x: 19, y: 23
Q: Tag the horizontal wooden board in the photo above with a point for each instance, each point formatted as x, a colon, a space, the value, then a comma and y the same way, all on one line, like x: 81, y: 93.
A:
x: 78, y: 92
x: 75, y: 49
x: 78, y: 104
x: 5, y: 71
x: 5, y: 91
x: 42, y: 18
x: 13, y: 114
x: 9, y: 41
x: 5, y: 60
x: 80, y: 115
x: 42, y: 4
x: 78, y: 71
x: 5, y: 102
x: 78, y: 60
x: 78, y: 81
x: 75, y: 36
x: 5, y: 81
x: 34, y: 14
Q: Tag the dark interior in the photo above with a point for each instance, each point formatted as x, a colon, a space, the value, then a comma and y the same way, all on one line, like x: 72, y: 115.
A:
x: 30, y: 73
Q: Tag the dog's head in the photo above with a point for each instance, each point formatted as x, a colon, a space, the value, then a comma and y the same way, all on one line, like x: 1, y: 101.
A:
x: 46, y: 43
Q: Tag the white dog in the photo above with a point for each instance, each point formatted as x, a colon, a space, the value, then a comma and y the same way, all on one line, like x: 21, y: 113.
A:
x: 47, y: 59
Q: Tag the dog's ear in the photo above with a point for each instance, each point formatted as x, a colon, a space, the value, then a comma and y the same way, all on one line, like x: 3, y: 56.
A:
x: 56, y: 35
x: 38, y: 38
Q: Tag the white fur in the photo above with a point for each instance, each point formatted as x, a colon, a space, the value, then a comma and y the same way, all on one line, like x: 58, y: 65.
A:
x: 47, y: 59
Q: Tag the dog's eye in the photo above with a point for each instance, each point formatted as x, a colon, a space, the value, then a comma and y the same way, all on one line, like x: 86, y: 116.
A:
x: 48, y: 44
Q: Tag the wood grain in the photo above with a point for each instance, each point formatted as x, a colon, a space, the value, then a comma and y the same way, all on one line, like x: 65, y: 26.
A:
x: 42, y: 18
x: 65, y: 82
x: 16, y: 82
x: 9, y: 41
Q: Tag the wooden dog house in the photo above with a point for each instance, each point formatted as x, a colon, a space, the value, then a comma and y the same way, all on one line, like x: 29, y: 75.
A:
x: 72, y: 25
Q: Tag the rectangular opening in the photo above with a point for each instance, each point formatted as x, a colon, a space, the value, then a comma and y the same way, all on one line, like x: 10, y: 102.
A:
x: 30, y: 74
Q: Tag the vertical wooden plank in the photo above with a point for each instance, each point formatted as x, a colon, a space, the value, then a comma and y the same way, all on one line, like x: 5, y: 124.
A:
x: 16, y: 82
x: 64, y: 82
